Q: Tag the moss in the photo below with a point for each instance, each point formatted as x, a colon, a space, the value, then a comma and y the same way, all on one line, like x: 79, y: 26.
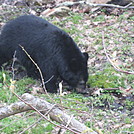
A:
x: 107, y: 78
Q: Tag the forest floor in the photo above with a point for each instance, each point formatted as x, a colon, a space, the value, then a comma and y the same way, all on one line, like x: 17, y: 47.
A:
x: 108, y: 102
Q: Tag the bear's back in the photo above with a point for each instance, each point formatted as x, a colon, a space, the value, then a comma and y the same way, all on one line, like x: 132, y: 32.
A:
x: 28, y: 24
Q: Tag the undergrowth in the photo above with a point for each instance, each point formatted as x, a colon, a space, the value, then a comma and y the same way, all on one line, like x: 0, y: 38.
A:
x: 105, y: 111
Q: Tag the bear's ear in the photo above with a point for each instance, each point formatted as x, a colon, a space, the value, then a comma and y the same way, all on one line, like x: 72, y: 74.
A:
x: 86, y: 55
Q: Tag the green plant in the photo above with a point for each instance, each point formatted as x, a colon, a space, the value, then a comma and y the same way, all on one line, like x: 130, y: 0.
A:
x: 127, y: 120
x: 4, y: 76
x: 6, y: 94
x: 104, y: 100
x: 129, y: 104
x: 75, y: 18
x: 23, y: 83
x: 107, y: 78
x: 100, y: 18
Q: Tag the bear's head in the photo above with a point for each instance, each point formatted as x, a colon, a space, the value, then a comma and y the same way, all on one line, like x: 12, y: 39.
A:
x: 78, y: 67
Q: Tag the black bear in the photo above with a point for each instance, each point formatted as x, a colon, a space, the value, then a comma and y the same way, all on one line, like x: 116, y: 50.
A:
x: 51, y: 48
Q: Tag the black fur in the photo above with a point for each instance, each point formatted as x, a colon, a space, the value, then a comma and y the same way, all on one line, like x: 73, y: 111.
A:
x: 50, y: 47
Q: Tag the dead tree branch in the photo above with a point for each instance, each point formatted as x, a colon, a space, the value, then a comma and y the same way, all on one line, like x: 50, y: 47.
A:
x: 68, y: 4
x: 40, y: 72
x: 115, y: 66
x: 41, y: 75
x: 110, y: 5
x: 55, y: 113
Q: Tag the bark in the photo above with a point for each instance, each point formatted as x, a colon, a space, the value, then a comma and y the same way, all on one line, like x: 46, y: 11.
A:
x: 52, y: 110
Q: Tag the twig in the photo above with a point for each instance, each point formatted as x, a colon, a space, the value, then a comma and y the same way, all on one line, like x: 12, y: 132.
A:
x: 110, y: 5
x: 64, y: 127
x: 42, y: 79
x: 29, y: 102
x: 50, y: 109
x: 41, y: 75
x: 31, y: 126
x: 12, y: 90
x: 37, y: 120
x: 13, y: 65
x: 95, y: 5
x: 16, y: 121
x: 12, y: 87
x: 105, y: 88
x: 67, y: 124
x: 49, y: 79
x: 115, y: 67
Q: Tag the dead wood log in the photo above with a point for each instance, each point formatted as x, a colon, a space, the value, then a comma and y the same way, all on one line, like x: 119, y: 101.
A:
x: 52, y: 110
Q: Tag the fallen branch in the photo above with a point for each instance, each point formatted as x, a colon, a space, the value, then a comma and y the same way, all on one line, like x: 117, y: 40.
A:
x: 115, y: 67
x: 110, y: 5
x: 68, y: 4
x: 54, y: 112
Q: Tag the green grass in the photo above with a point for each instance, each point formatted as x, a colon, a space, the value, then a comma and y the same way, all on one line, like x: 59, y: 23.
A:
x: 23, y: 123
x: 105, y: 79
x: 99, y: 18
x: 100, y: 109
x: 5, y: 82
